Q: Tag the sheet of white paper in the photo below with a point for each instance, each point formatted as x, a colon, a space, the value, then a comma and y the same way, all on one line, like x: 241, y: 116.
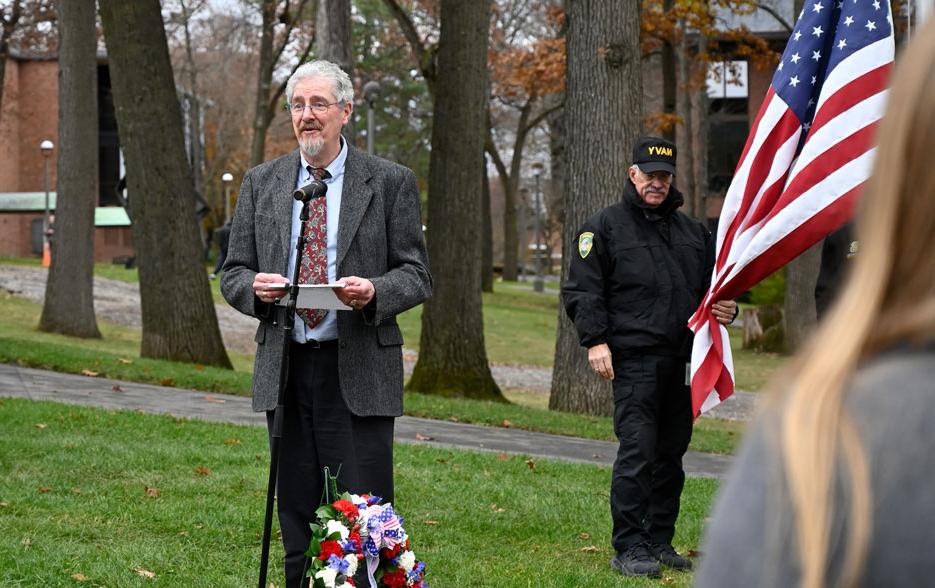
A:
x: 319, y: 296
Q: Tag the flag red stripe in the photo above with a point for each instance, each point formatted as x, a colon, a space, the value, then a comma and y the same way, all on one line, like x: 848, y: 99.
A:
x: 788, y: 248
x: 785, y: 128
x: 756, y: 126
x: 851, y: 94
x: 712, y: 373
x: 821, y: 167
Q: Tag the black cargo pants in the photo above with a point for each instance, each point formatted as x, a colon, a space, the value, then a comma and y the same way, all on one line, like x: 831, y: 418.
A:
x: 653, y: 422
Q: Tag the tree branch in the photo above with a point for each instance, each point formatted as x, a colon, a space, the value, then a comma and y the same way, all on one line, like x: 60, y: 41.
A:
x: 539, y: 117
x: 282, y: 86
x: 424, y: 55
x: 772, y: 12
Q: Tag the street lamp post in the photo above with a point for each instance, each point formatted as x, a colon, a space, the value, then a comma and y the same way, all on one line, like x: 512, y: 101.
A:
x: 538, y: 285
x: 46, y: 147
x: 371, y: 90
x: 226, y: 180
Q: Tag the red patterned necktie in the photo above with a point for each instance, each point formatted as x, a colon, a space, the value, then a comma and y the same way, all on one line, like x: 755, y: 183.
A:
x: 314, y: 268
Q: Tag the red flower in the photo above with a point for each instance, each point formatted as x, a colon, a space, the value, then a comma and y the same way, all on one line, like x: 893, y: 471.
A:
x: 329, y: 548
x: 395, y: 578
x: 347, y: 508
x: 391, y: 553
x: 354, y: 537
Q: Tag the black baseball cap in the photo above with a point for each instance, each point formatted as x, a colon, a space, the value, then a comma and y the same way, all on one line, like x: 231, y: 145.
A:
x: 652, y: 154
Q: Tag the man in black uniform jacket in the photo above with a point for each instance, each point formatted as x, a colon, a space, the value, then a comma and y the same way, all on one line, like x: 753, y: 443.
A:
x: 640, y: 272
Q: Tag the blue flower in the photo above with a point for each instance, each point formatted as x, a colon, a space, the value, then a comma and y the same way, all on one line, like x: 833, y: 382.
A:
x: 338, y: 563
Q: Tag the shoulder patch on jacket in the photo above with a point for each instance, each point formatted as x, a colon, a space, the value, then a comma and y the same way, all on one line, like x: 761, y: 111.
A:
x: 585, y: 242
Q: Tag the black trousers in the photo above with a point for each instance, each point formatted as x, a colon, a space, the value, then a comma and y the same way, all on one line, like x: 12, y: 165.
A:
x: 319, y: 431
x: 653, y: 423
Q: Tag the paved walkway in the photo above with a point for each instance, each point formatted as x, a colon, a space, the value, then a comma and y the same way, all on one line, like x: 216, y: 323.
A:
x: 19, y: 382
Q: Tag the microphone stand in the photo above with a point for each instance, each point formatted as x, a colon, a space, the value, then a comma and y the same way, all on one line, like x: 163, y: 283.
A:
x: 305, y: 194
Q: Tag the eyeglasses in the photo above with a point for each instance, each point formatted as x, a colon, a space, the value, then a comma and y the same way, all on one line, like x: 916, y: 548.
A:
x: 662, y: 176
x: 297, y: 108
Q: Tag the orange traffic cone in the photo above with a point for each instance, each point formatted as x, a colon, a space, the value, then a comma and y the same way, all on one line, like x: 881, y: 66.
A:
x: 46, y: 255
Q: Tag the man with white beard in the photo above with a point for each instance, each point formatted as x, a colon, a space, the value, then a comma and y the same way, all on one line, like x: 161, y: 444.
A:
x: 345, y: 383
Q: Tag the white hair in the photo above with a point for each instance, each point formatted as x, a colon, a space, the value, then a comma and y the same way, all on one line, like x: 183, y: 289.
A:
x: 341, y: 82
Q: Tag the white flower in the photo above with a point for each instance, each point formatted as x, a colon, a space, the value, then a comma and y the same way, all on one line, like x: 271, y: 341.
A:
x: 407, y: 560
x: 335, y: 526
x: 351, y: 564
x: 327, y: 575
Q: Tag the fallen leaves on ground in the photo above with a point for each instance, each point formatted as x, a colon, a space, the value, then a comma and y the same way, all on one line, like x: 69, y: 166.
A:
x: 531, y: 464
x: 502, y: 456
x: 165, y: 382
x: 44, y: 489
x: 144, y: 573
x: 232, y: 441
x: 41, y: 425
x: 590, y: 549
x: 152, y: 492
x: 421, y: 437
x: 79, y: 577
x: 584, y: 536
x: 506, y: 424
x: 125, y: 361
x: 89, y: 373
x: 214, y: 399
x: 202, y: 471
x: 454, y: 419
x: 694, y: 553
x: 116, y: 388
x: 430, y: 522
x: 496, y: 508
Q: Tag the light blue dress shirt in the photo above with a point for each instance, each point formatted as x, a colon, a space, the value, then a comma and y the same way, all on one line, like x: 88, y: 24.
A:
x: 327, y: 329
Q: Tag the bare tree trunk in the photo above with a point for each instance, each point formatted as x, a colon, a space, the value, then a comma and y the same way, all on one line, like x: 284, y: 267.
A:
x: 509, y: 179
x: 179, y: 319
x: 333, y: 42
x: 486, y: 266
x: 603, y: 60
x: 262, y: 117
x: 510, y: 230
x: 686, y: 180
x: 668, y: 78
x: 452, y: 357
x: 194, y: 120
x: 69, y: 293
x: 557, y: 139
x: 701, y: 186
x: 799, y: 306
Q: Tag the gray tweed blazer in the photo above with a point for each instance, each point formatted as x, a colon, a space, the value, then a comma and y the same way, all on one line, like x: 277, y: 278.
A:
x: 379, y: 238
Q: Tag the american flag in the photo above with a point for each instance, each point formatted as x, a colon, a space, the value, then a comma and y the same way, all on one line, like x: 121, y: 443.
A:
x: 808, y: 153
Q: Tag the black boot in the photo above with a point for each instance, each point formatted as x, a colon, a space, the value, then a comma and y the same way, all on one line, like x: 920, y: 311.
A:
x: 667, y: 556
x: 637, y: 560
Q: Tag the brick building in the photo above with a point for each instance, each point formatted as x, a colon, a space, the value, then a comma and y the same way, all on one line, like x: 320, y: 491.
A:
x: 29, y: 115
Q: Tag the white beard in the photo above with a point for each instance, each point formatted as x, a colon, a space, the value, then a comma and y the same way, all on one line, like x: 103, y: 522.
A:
x: 311, y: 147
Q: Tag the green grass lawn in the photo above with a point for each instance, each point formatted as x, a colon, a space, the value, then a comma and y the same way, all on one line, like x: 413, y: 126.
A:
x: 98, y: 498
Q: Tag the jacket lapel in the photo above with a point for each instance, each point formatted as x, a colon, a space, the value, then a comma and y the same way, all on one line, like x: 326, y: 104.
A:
x: 287, y: 175
x: 355, y: 198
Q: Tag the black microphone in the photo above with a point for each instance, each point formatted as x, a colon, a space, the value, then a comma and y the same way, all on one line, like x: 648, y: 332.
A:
x: 314, y: 189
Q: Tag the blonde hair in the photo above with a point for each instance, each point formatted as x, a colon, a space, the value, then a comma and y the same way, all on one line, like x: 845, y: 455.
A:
x: 889, y: 298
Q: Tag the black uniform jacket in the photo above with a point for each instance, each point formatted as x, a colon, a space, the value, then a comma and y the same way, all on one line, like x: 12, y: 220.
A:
x: 637, y: 275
